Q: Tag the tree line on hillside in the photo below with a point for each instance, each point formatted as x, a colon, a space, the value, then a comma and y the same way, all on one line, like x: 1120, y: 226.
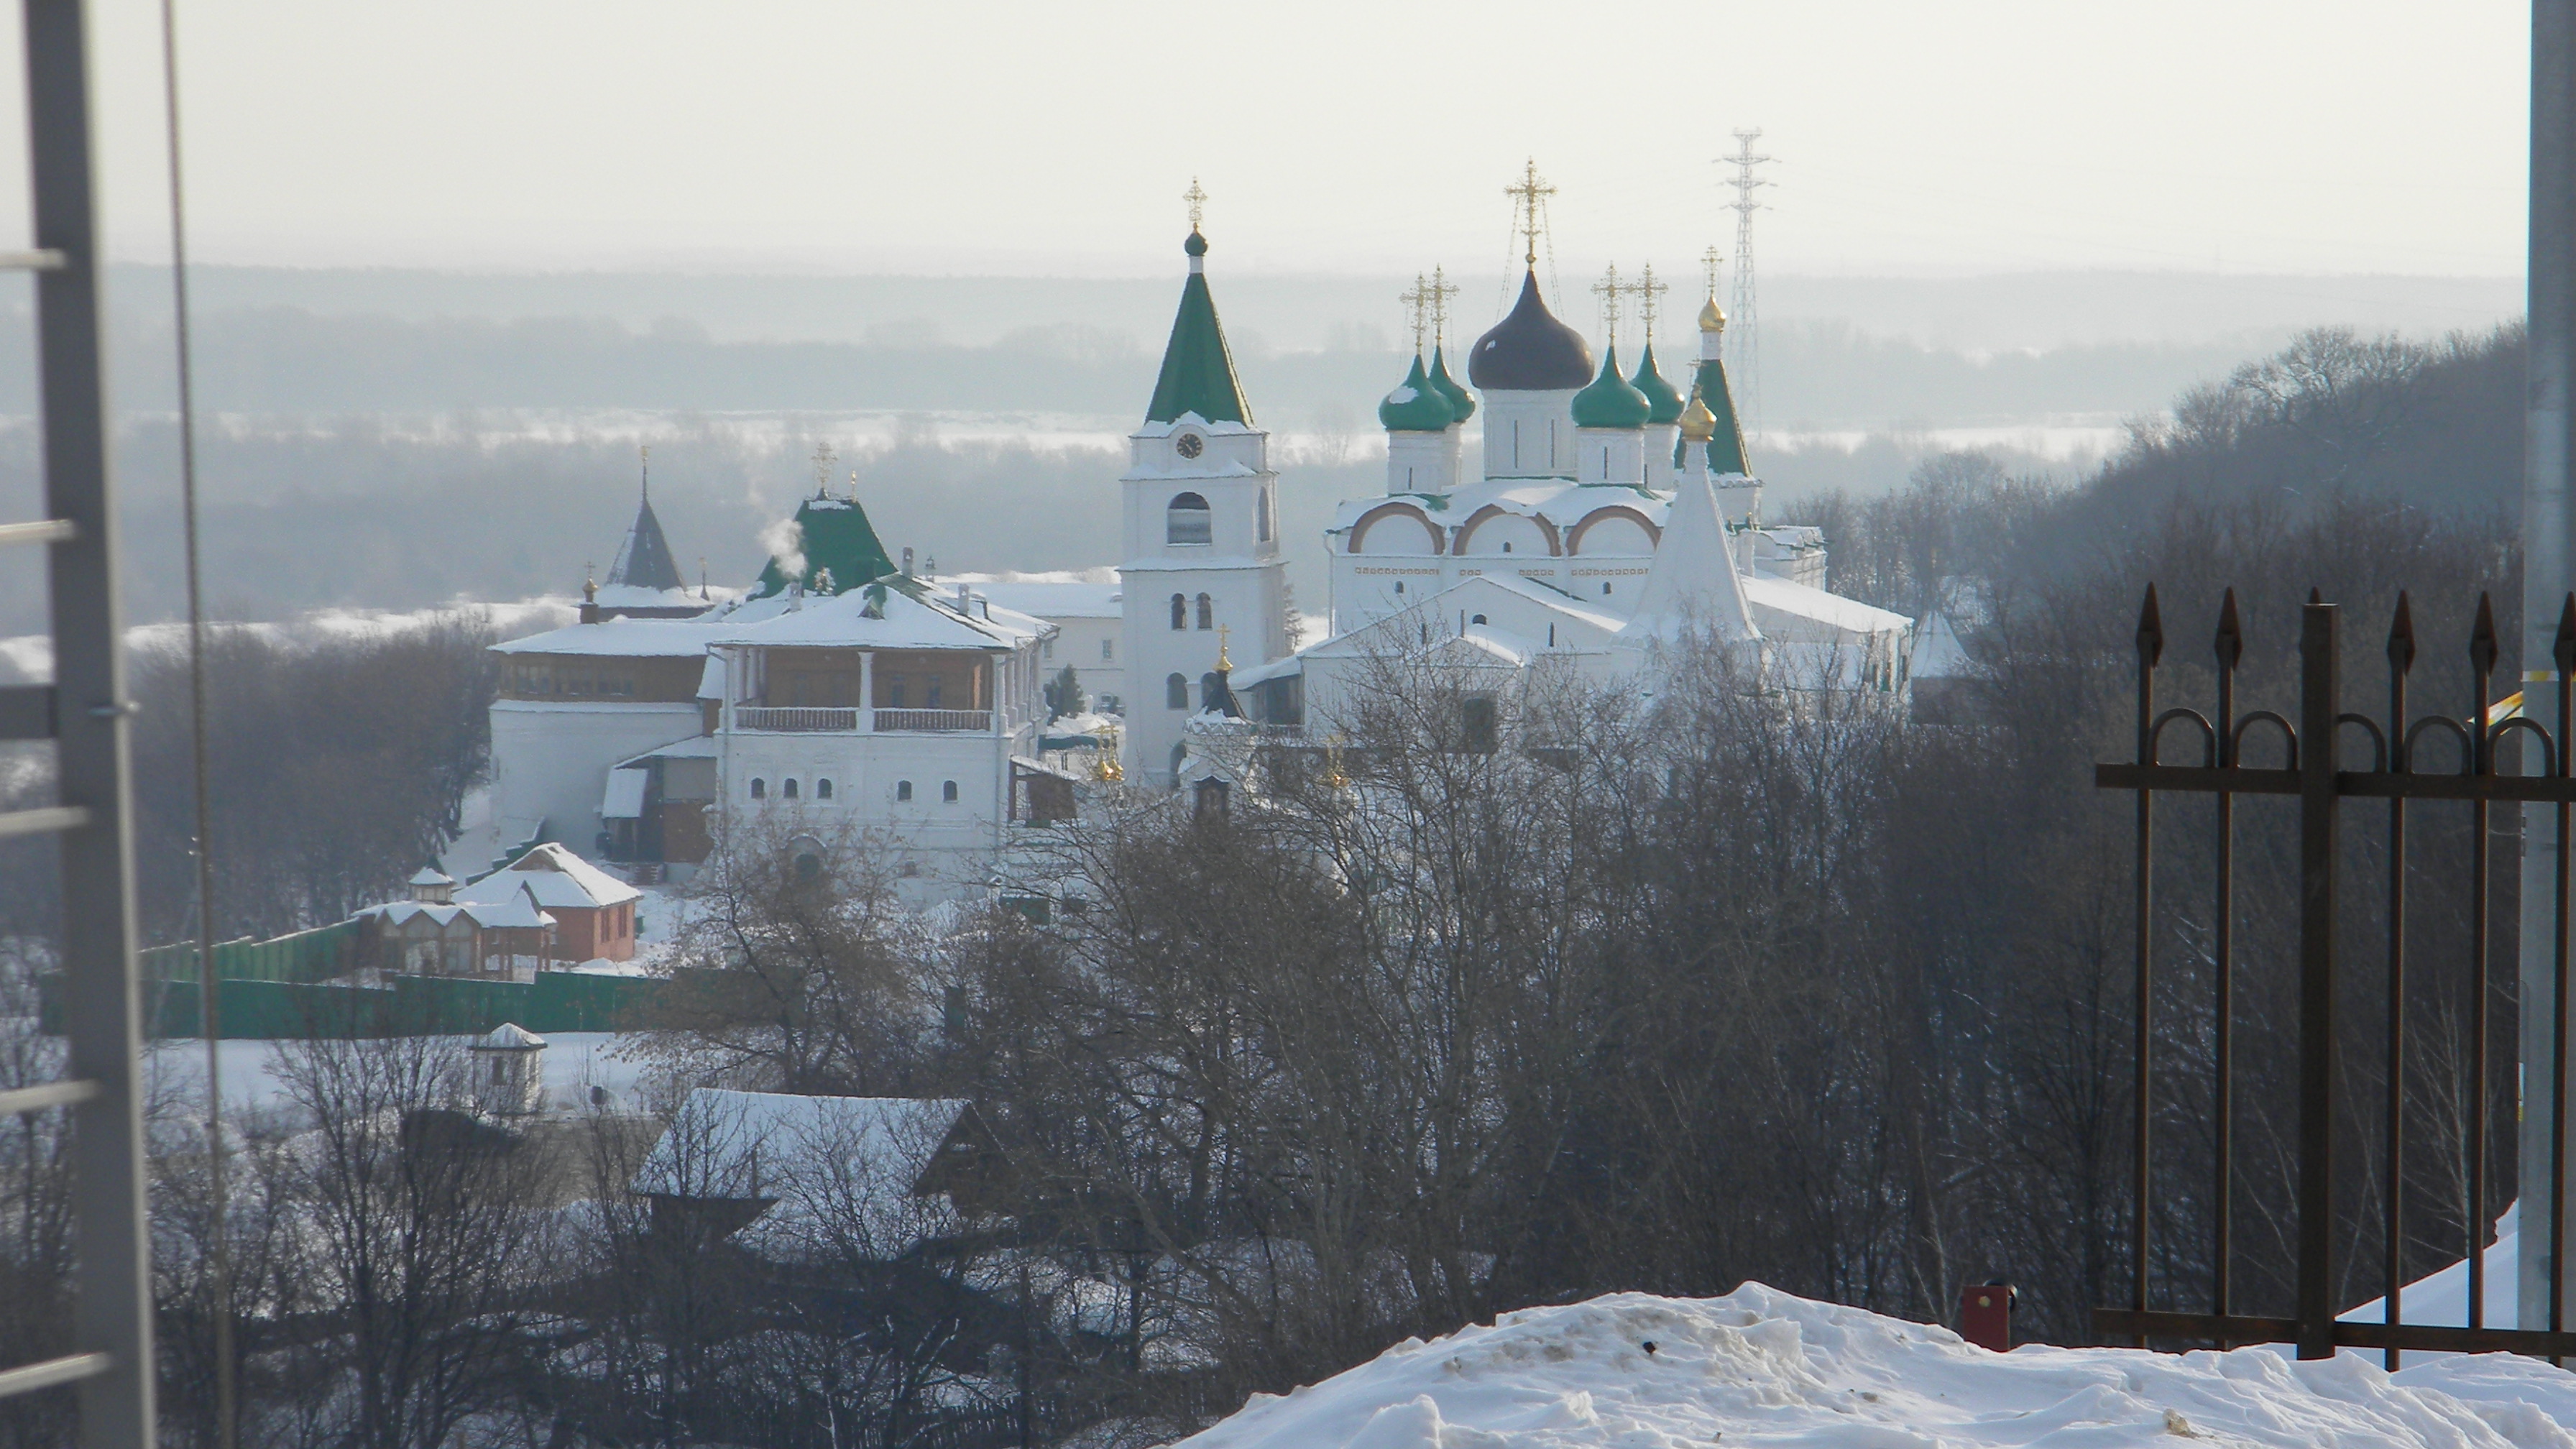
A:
x: 1742, y: 980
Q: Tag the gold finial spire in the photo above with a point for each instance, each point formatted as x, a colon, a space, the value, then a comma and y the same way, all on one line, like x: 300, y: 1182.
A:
x: 1698, y: 423
x: 1418, y: 304
x: 1224, y: 665
x: 1528, y: 197
x: 589, y: 582
x: 1711, y: 319
x: 1442, y: 289
x: 645, y: 453
x: 1197, y: 200
x: 1647, y: 291
x: 1609, y: 290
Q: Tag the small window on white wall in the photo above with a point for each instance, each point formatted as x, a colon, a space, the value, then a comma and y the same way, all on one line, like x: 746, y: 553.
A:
x: 822, y: 789
x: 903, y: 789
x: 1108, y: 650
x: 787, y: 789
x: 948, y: 791
x: 1262, y: 517
x: 759, y: 788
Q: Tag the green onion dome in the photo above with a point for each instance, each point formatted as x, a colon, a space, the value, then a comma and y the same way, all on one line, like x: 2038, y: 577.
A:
x: 1462, y: 403
x: 1664, y: 404
x: 1415, y: 406
x: 1609, y: 402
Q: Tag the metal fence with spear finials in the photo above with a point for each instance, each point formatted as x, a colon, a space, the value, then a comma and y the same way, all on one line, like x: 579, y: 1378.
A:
x: 2314, y: 775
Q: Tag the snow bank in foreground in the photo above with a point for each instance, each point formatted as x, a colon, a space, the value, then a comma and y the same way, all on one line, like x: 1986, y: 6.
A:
x: 1762, y: 1367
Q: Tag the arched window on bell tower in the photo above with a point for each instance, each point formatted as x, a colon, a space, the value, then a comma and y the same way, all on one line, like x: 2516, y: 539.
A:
x: 1207, y: 612
x: 1180, y: 611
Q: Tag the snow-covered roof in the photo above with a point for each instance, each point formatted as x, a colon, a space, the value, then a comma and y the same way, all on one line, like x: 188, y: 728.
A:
x: 431, y: 875
x: 622, y: 638
x: 1060, y: 594
x: 1762, y: 1366
x: 624, y: 798
x: 1693, y: 581
x: 1579, y: 626
x: 1559, y: 501
x: 1770, y: 592
x: 1937, y: 651
x: 934, y: 621
x: 513, y: 912
x: 556, y: 878
x: 636, y: 596
x: 695, y: 747
x: 838, y: 1169
x: 509, y: 1036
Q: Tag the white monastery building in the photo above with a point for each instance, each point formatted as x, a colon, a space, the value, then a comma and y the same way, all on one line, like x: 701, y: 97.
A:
x: 841, y: 694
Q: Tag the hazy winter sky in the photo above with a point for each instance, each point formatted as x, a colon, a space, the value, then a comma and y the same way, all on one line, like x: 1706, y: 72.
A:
x: 2356, y: 135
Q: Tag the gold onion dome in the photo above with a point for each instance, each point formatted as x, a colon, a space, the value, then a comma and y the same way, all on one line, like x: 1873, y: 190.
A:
x: 1711, y: 319
x: 1698, y: 423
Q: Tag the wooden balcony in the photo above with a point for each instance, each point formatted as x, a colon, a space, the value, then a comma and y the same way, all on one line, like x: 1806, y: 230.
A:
x: 807, y: 719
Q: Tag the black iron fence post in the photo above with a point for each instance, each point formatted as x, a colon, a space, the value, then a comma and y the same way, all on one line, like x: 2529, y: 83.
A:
x: 2317, y: 811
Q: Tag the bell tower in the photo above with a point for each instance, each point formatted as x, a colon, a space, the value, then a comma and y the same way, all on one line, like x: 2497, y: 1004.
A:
x: 1201, y: 534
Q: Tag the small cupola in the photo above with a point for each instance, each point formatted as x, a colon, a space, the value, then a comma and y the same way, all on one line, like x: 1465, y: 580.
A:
x: 508, y: 1066
x: 1610, y: 402
x: 1663, y: 404
x: 1462, y: 403
x: 1416, y: 405
x: 431, y: 886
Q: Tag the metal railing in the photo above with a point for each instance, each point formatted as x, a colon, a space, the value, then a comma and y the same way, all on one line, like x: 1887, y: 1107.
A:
x: 934, y: 720
x: 85, y: 712
x: 795, y: 719
x: 808, y: 719
x: 2312, y: 774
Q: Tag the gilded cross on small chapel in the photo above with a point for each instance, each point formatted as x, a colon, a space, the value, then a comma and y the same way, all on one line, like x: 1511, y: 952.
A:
x: 1647, y: 290
x: 1610, y: 291
x: 823, y: 457
x: 1418, y: 302
x: 1442, y: 289
x: 1710, y: 261
x: 1197, y: 200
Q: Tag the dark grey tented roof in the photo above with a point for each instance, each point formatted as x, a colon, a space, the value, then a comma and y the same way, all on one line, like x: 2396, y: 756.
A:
x: 645, y: 561
x: 1530, y: 351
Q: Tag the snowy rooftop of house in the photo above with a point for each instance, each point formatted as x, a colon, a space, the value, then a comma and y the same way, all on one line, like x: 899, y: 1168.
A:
x: 695, y: 747
x: 636, y: 596
x: 509, y: 1036
x: 929, y: 621
x: 1060, y: 594
x: 1560, y: 501
x: 843, y: 1166
x: 1766, y: 591
x: 514, y: 911
x: 1759, y: 1366
x: 431, y: 875
x: 622, y: 638
x: 556, y: 878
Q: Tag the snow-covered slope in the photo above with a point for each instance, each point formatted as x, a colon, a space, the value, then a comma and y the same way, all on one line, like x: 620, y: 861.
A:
x: 1761, y: 1367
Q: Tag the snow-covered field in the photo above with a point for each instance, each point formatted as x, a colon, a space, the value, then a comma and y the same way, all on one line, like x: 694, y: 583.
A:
x: 574, y: 1062
x: 1761, y: 1367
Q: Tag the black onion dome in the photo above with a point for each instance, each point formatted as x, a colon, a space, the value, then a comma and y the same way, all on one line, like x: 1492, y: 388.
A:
x: 1530, y: 351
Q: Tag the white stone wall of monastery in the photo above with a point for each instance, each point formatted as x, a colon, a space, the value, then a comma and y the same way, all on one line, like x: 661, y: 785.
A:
x: 552, y: 760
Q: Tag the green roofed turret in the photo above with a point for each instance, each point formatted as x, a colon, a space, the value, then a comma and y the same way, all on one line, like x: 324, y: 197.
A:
x: 835, y: 537
x: 1462, y: 403
x: 1609, y: 402
x: 1663, y: 404
x: 1726, y: 443
x: 1198, y: 370
x: 1416, y: 406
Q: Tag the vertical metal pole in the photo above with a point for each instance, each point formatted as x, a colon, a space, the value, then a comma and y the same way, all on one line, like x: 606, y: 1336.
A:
x: 2482, y: 657
x: 2548, y: 572
x: 2151, y: 643
x: 2317, y: 811
x: 2229, y: 647
x: 2563, y: 656
x: 2401, y: 658
x: 102, y: 1016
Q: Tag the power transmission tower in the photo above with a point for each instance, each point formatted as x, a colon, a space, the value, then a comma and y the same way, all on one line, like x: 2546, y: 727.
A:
x: 1743, y: 323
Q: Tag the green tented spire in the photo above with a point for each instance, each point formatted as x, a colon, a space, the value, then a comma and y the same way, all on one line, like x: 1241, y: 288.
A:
x: 1198, y: 370
x: 1726, y: 449
x: 836, y: 538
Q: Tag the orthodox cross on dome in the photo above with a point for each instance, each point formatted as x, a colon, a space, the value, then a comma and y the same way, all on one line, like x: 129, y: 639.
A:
x: 1609, y: 290
x: 1709, y: 262
x: 1647, y: 290
x: 1197, y: 200
x: 1442, y: 289
x: 1418, y: 302
x: 1224, y: 633
x: 645, y: 454
x: 1526, y: 200
x: 823, y: 459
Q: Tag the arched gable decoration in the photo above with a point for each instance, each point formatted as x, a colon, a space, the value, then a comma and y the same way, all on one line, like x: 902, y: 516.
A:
x: 1574, y: 536
x: 1359, y: 530
x: 1467, y: 530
